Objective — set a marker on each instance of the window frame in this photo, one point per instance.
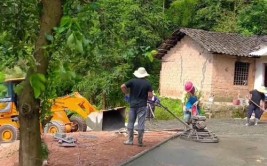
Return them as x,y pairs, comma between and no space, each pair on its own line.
241,73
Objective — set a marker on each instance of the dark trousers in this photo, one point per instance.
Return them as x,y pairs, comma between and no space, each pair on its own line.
253,108
141,114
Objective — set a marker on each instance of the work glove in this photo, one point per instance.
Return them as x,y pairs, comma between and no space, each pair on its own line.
127,98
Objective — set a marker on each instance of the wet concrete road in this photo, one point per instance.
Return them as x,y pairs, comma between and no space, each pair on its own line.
238,146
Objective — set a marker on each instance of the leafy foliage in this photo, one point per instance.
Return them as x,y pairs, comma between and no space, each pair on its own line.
38,83
252,18
100,43
246,17
173,105
114,45
44,151
181,12
18,28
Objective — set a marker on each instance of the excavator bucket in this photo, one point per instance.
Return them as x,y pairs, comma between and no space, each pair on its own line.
107,120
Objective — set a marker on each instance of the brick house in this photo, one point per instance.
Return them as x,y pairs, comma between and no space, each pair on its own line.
219,64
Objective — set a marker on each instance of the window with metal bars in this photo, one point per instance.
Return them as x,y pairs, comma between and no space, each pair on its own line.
241,73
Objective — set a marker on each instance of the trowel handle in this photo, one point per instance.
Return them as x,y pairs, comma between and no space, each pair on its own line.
185,124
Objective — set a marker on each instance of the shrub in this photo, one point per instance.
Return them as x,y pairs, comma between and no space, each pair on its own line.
173,105
44,151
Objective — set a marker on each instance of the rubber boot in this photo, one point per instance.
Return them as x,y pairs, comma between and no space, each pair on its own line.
140,138
256,121
130,138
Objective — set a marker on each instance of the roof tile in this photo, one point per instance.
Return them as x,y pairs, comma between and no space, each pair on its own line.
215,42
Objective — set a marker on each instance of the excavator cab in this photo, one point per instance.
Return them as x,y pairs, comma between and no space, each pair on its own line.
9,126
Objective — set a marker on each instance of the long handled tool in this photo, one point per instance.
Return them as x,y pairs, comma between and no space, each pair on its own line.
185,124
197,132
257,105
151,111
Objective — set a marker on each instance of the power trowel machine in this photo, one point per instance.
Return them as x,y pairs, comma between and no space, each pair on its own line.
195,129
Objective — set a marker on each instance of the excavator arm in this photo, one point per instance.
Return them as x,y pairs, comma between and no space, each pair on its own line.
94,119
75,103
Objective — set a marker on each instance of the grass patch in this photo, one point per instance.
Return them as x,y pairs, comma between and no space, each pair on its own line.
174,105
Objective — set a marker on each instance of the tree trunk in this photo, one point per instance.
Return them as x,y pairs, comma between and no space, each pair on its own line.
29,107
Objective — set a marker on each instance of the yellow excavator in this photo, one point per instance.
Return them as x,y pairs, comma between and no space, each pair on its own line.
69,113
73,112
9,125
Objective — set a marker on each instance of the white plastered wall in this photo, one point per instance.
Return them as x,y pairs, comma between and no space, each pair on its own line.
260,71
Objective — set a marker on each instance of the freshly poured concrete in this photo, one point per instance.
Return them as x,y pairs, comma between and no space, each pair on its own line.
239,146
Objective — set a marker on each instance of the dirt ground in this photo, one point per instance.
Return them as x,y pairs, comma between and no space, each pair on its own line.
9,153
106,147
93,148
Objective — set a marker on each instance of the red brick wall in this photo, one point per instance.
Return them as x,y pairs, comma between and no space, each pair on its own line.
187,61
211,73
223,86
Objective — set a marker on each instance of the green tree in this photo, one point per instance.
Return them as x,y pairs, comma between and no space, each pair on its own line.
229,16
121,36
17,37
98,45
252,18
29,103
182,12
217,15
